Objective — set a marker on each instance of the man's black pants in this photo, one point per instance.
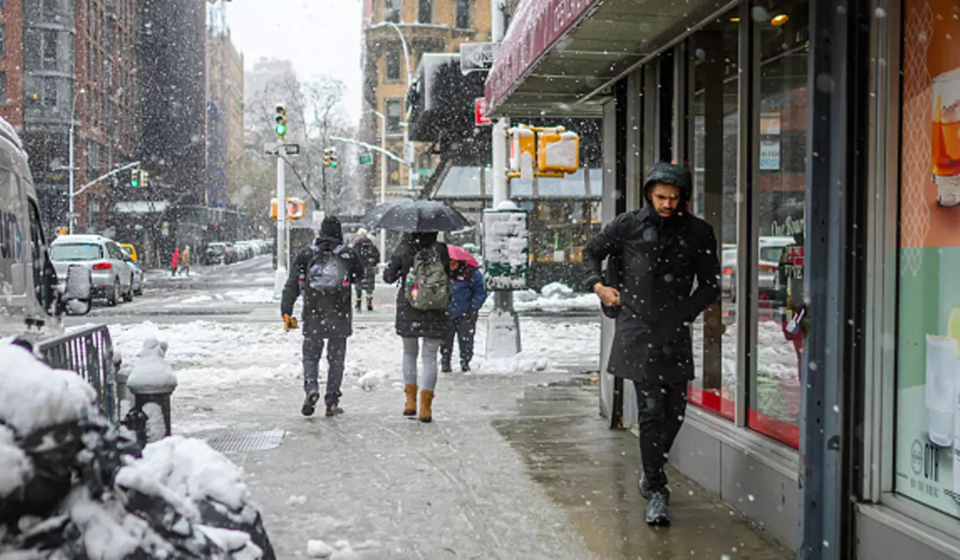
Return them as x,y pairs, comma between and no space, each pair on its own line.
463,328
660,410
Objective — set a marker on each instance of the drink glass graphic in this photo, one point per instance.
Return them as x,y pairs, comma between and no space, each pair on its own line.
945,137
943,368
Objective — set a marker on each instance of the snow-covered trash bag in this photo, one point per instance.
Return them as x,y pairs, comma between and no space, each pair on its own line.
184,485
60,496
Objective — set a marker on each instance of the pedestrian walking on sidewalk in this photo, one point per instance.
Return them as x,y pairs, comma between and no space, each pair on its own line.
663,250
367,250
328,270
422,267
467,297
175,261
184,262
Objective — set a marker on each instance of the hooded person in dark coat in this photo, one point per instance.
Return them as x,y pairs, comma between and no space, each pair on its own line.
327,314
414,324
664,251
367,250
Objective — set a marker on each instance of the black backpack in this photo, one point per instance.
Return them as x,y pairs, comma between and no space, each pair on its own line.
327,273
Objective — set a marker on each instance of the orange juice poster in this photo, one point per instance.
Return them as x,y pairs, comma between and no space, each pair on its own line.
930,181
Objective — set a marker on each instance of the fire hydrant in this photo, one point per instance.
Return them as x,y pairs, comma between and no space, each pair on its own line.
152,382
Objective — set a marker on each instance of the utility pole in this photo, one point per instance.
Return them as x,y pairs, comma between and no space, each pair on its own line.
281,277
503,324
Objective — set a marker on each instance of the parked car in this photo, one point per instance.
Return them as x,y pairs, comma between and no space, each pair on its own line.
112,277
216,253
233,255
31,307
138,277
768,262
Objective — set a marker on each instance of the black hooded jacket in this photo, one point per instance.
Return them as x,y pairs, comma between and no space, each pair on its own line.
411,322
661,261
323,316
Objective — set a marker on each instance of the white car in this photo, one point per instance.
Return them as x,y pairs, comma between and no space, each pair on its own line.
112,278
769,261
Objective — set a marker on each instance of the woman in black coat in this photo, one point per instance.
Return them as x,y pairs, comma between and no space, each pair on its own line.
415,324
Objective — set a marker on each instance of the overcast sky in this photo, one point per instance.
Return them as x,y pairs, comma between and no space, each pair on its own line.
318,36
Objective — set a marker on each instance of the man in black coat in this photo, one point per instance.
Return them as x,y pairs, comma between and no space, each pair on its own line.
663,250
327,314
369,254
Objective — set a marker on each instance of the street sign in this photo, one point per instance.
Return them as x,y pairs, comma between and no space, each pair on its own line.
271,148
477,56
366,159
423,172
480,112
291,149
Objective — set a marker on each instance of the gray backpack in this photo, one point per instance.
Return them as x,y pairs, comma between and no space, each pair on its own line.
428,286
327,273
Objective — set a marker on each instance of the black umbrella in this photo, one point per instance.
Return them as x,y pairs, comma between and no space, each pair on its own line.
417,215
372,219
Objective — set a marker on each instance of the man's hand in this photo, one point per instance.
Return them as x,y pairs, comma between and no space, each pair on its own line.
289,323
609,296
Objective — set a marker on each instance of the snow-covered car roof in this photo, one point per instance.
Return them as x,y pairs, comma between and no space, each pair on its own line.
80,238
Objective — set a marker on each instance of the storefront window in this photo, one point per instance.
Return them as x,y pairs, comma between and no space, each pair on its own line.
713,52
927,459
780,192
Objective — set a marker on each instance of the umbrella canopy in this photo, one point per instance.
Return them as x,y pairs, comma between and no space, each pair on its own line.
416,215
372,218
461,254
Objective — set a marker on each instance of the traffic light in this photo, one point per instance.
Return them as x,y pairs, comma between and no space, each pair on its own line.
330,158
281,121
135,178
144,178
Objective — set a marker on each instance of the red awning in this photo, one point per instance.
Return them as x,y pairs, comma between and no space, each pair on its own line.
536,26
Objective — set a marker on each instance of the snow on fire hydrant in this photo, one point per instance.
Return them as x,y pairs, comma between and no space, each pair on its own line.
152,382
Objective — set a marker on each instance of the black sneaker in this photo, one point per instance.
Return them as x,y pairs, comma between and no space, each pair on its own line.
658,511
445,366
464,366
333,410
310,403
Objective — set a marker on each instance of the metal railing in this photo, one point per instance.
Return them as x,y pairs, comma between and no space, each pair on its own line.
89,353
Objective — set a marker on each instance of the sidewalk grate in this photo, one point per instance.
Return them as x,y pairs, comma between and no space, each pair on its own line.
238,441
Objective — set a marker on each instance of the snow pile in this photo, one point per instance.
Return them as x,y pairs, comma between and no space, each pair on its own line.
15,467
516,365
187,473
34,396
341,550
151,374
196,299
557,297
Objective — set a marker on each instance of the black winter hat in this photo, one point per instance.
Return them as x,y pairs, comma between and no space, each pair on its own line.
330,227
669,174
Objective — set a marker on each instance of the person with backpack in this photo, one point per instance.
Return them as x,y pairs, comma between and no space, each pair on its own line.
370,255
422,267
328,270
467,297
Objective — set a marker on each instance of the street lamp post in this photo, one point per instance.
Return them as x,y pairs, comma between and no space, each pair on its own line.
383,178
73,112
407,147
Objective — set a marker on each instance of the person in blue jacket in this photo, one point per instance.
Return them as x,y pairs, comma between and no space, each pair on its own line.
466,298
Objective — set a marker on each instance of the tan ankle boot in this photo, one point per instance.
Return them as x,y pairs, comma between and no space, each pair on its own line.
426,401
410,409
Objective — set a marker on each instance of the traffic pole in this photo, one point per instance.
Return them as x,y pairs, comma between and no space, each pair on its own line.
503,324
281,277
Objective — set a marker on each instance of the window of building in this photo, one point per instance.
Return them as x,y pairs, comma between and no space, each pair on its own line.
777,272
48,51
393,65
3,89
927,389
463,14
393,115
425,13
3,40
391,10
50,91
714,162
93,213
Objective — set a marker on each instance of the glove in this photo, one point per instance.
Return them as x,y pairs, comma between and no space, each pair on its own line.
289,323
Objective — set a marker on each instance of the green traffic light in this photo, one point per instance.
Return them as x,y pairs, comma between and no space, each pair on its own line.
280,129
135,183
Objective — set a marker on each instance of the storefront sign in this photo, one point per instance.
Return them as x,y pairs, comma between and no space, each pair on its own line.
480,112
506,249
477,56
927,459
536,28
769,155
